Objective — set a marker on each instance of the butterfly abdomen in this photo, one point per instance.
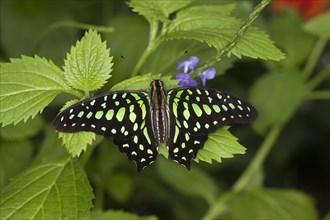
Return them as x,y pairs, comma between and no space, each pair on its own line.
160,115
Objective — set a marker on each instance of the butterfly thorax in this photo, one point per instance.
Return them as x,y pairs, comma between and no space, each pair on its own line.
159,113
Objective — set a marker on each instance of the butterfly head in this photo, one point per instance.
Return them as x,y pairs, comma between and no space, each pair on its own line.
157,84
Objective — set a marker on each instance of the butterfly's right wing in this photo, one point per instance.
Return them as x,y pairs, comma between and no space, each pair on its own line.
198,112
120,115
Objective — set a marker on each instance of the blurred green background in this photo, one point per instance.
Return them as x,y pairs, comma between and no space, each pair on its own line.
299,158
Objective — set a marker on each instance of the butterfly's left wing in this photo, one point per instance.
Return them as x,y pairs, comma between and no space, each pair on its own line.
121,115
198,112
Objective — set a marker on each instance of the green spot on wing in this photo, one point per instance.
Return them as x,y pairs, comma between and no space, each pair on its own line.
207,109
178,95
186,114
89,115
132,117
216,108
197,110
99,114
175,110
143,108
145,132
136,96
176,134
81,114
109,114
120,114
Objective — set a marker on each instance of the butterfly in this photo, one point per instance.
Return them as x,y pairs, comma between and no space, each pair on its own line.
139,121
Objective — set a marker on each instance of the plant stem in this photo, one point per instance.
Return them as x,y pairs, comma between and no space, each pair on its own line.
220,204
318,78
152,45
224,51
145,55
258,160
313,57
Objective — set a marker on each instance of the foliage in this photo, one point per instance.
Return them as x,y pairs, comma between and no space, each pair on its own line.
40,181
272,204
88,65
58,189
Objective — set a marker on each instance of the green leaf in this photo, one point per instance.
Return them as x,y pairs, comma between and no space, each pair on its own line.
211,16
14,157
56,190
136,83
118,215
276,97
214,26
158,9
204,24
27,86
257,44
319,26
88,66
169,83
220,144
254,43
272,204
192,183
23,129
143,82
75,143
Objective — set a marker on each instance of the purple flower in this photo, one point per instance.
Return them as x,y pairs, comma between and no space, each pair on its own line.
186,80
207,74
188,64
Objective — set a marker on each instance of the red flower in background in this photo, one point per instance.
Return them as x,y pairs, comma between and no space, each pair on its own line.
307,8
